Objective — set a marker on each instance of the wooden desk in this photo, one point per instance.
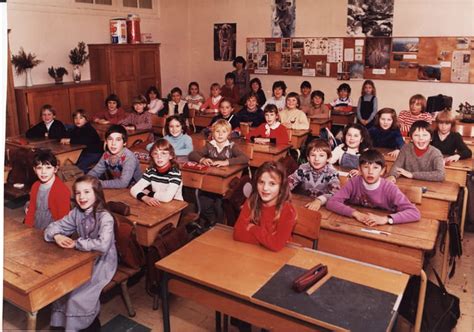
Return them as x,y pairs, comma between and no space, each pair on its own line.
37,273
203,119
63,152
402,250
133,135
316,124
298,137
265,152
466,129
221,279
342,118
214,179
148,219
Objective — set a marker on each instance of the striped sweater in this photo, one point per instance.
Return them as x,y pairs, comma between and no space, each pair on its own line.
406,119
165,186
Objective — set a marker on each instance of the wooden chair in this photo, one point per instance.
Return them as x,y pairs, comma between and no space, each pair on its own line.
247,149
158,124
122,275
192,115
307,228
413,193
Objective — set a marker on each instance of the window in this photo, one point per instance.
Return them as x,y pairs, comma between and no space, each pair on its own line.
97,2
146,4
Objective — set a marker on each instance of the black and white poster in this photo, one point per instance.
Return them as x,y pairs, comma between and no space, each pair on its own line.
283,18
370,18
224,41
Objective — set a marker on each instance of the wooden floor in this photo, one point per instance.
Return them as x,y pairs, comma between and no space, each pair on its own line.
189,316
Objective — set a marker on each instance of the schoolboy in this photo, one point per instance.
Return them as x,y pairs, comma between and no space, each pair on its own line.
117,162
370,190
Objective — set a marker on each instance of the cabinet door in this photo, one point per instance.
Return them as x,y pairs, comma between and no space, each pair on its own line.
58,99
90,98
148,70
124,78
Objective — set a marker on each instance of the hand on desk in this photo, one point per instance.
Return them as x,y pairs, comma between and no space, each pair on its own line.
206,161
101,121
392,179
151,201
451,159
64,241
404,172
394,153
314,205
353,172
261,140
65,141
370,219
220,163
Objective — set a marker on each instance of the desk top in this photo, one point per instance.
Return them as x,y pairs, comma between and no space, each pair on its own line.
299,132
222,259
445,191
145,215
265,148
222,172
46,144
317,120
30,142
418,235
206,114
25,271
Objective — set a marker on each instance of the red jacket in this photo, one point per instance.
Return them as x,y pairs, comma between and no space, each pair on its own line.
270,234
59,201
280,134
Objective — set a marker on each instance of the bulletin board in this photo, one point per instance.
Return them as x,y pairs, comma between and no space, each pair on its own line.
432,59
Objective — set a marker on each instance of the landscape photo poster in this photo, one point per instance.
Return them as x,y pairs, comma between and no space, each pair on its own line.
370,18
283,18
225,41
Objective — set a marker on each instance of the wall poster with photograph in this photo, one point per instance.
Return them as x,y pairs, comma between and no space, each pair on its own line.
225,41
283,18
377,54
371,18
429,73
405,44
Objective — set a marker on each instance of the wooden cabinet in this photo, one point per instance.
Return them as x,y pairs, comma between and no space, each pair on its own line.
65,99
128,69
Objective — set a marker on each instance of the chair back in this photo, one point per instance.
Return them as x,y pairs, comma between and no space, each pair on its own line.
307,227
413,193
158,123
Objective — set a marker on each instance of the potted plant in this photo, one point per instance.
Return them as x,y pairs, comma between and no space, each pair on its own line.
23,63
77,58
57,73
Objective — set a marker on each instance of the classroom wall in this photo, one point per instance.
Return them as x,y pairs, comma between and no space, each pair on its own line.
185,30
328,18
51,28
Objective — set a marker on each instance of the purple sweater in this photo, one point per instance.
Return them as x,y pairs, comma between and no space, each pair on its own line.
387,197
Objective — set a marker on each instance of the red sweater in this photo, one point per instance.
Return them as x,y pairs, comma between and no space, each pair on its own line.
266,233
280,134
59,201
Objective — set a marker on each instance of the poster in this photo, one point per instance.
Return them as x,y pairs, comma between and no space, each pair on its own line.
283,18
377,53
316,46
335,49
224,41
370,18
405,44
460,66
429,73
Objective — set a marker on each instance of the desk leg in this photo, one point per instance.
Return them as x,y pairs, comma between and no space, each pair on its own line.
218,322
165,302
198,204
421,300
444,269
31,320
464,210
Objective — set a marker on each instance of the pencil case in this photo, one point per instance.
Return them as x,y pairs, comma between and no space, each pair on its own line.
193,165
309,278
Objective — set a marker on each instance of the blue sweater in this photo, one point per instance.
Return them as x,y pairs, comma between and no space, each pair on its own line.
391,139
183,144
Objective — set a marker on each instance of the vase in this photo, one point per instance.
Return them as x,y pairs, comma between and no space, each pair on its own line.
58,80
76,73
28,77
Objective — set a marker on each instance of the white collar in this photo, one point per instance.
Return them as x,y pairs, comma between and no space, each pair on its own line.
372,186
214,144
